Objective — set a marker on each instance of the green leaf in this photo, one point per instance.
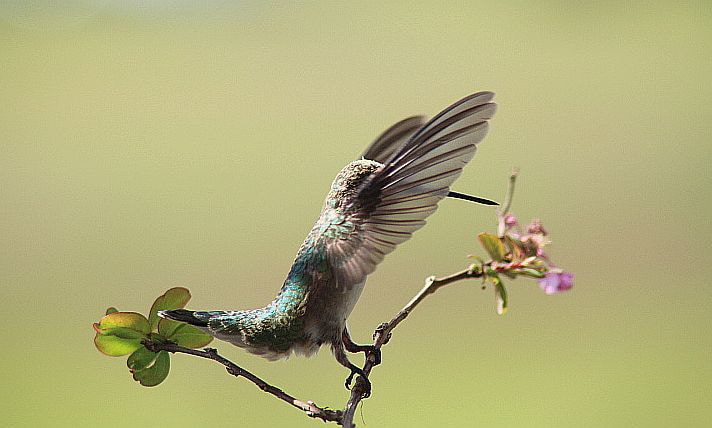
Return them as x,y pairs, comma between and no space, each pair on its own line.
114,346
493,245
156,373
500,295
111,310
167,327
129,320
140,359
175,298
190,337
123,333
533,273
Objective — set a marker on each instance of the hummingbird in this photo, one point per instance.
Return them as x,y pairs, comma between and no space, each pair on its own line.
374,204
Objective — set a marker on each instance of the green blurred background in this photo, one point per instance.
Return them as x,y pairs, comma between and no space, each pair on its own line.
145,146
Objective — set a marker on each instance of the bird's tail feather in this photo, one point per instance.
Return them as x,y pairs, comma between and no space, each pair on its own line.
183,315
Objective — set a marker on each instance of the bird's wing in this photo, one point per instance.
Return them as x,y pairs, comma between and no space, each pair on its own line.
392,139
395,199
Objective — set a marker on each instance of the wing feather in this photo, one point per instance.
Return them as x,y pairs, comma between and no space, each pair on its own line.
419,162
392,139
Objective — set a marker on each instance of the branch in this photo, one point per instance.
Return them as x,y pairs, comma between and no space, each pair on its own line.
383,333
308,407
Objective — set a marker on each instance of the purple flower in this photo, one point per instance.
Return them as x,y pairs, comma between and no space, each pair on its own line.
536,227
556,282
510,221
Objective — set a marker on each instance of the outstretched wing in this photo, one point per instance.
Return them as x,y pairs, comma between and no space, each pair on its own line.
395,199
392,139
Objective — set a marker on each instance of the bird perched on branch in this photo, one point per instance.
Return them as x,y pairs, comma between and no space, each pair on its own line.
374,204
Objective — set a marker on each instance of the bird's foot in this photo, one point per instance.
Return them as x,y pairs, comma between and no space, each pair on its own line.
367,383
370,351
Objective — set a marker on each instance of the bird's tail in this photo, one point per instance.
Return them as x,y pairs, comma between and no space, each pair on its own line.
184,315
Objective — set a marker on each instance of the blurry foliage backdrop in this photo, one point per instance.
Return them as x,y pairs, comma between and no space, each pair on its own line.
147,145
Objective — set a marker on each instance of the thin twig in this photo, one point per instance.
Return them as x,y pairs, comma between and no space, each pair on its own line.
383,334
308,407
502,212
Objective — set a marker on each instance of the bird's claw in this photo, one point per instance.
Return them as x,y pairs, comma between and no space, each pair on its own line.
349,380
364,378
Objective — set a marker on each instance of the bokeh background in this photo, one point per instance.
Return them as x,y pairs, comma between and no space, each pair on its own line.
146,145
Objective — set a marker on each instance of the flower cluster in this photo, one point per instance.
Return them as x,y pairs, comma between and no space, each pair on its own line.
531,243
519,251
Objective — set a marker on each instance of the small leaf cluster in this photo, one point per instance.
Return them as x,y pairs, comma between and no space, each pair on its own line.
511,258
125,333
